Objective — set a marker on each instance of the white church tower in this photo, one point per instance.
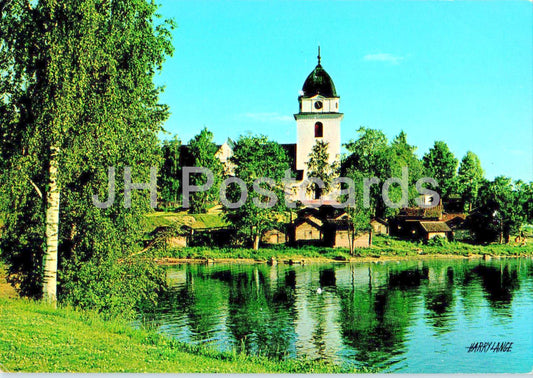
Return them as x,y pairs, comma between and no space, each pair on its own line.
319,117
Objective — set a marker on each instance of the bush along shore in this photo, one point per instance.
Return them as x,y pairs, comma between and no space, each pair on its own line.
386,248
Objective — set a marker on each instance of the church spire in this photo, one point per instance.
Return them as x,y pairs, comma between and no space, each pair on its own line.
318,55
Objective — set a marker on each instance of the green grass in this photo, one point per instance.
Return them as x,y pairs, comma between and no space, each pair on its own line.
35,337
280,253
163,219
394,246
382,246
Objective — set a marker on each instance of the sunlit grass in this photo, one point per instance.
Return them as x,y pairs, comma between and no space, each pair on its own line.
198,221
35,337
382,247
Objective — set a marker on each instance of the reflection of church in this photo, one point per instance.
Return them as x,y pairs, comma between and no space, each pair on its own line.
318,119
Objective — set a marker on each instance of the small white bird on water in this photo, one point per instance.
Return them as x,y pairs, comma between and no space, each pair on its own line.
319,290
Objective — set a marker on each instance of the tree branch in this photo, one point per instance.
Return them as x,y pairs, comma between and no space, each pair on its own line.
36,188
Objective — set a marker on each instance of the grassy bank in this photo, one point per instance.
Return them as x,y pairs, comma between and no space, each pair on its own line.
383,247
35,337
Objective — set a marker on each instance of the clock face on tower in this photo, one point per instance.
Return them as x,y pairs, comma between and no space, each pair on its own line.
318,105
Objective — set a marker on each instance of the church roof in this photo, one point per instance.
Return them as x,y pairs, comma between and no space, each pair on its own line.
319,82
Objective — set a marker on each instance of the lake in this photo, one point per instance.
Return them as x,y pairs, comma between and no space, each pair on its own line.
409,316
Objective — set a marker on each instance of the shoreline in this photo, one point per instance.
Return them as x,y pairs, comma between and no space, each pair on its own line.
301,260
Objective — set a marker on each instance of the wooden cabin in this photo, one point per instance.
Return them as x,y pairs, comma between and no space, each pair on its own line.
275,236
337,234
429,230
307,229
379,226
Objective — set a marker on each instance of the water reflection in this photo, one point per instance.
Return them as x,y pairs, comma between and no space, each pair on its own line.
376,315
499,282
439,298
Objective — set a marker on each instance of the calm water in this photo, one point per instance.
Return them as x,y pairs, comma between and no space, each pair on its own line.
410,317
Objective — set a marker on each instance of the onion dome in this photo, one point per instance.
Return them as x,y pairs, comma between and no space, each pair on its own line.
319,82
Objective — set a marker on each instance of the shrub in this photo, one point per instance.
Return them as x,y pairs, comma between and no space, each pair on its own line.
437,241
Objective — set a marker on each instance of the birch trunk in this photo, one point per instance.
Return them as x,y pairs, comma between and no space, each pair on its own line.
52,230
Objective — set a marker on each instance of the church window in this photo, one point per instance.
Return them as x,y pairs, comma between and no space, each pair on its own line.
319,130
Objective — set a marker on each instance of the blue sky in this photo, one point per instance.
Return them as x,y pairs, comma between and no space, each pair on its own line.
456,71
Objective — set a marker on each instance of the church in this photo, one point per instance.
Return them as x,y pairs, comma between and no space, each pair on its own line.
318,119
319,221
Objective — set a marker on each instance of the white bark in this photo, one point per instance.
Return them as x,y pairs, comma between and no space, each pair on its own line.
52,231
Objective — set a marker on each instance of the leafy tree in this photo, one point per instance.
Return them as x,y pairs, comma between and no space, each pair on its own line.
441,165
256,157
526,199
403,155
202,152
78,77
500,213
359,216
171,170
469,178
319,167
370,156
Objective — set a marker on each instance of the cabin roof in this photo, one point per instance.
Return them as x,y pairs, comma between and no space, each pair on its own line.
309,220
379,220
435,227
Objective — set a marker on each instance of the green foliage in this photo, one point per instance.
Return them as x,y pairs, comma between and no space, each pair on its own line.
438,241
202,152
318,167
79,77
469,179
170,171
441,165
114,288
525,199
263,254
403,155
371,155
501,211
391,246
256,157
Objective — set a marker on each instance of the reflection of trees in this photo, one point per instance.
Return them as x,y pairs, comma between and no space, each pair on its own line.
261,318
439,299
499,283
170,301
203,311
327,277
375,311
374,321
408,278
199,298
468,285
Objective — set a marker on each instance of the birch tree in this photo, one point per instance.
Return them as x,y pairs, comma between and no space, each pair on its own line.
78,97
